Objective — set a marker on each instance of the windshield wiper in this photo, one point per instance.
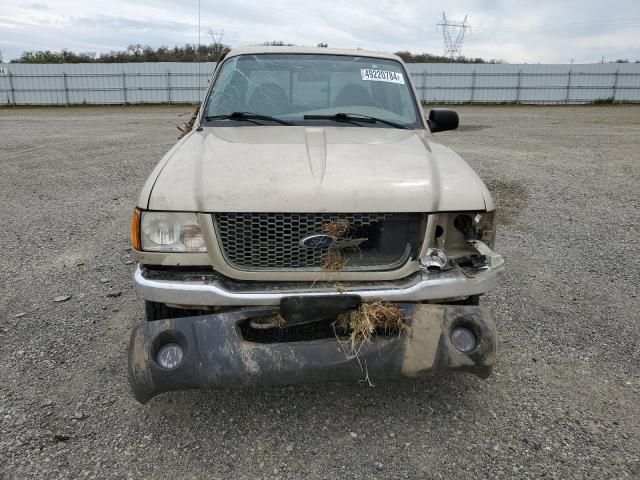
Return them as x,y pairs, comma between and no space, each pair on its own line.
246,116
355,117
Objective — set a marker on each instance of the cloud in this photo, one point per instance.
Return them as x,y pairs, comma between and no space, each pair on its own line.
516,31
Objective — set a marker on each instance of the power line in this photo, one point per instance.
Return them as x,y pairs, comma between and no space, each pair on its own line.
601,24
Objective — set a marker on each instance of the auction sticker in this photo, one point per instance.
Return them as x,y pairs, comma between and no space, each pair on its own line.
381,75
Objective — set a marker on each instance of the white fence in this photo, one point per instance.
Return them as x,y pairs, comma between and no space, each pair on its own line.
103,83
172,82
486,83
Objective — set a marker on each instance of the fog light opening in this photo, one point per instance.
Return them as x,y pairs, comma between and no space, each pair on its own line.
463,339
170,356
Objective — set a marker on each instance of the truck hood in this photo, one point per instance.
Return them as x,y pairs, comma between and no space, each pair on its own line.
312,169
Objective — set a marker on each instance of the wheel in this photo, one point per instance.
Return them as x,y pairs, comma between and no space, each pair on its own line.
160,311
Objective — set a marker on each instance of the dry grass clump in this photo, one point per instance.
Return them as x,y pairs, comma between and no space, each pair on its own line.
186,127
333,261
337,228
278,320
271,321
363,323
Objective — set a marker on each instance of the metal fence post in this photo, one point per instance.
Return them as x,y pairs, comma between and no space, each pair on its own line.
566,99
518,87
473,86
11,90
124,87
615,85
424,86
169,87
66,89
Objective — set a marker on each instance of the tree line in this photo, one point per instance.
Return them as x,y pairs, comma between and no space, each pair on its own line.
409,57
133,53
208,53
193,53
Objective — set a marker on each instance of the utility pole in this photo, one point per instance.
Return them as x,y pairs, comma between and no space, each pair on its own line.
453,35
198,56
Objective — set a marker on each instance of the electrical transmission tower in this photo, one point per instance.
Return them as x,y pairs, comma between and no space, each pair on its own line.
453,34
216,36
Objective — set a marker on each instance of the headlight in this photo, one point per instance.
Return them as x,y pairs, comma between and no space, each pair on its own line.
171,232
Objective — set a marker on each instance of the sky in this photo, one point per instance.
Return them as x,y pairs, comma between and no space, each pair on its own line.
517,31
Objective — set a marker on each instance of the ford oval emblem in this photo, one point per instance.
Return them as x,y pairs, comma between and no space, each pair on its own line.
318,241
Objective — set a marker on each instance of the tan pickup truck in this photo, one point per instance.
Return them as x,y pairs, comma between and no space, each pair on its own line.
310,189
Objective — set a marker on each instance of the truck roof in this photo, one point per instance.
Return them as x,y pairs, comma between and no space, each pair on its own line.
254,50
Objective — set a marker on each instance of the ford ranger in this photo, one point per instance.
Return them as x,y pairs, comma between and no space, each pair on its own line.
310,185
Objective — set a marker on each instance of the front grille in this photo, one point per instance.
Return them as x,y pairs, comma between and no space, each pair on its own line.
271,241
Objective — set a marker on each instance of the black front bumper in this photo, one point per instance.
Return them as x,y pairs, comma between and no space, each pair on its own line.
216,354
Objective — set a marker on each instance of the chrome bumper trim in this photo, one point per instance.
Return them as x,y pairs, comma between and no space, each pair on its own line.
424,285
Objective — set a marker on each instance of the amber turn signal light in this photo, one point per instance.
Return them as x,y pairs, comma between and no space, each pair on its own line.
135,230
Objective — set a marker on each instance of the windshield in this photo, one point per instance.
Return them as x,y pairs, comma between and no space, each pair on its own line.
288,87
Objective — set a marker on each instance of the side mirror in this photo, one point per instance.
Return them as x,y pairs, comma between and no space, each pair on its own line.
441,119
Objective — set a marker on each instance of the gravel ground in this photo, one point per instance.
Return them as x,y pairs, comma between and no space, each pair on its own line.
563,401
